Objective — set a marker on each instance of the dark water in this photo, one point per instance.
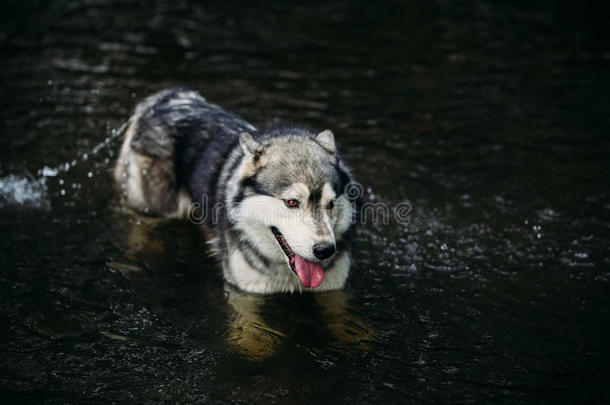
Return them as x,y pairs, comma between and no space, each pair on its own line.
490,118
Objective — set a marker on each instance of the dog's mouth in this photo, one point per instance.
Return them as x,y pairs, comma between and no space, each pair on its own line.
310,273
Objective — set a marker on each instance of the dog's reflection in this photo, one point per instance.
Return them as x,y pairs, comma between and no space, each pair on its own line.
251,336
250,333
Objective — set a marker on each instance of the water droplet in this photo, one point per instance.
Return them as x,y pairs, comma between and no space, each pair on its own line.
90,174
62,192
444,247
48,172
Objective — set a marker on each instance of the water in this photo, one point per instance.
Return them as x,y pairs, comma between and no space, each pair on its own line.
488,121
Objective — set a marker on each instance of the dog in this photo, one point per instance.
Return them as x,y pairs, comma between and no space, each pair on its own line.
274,200
275,203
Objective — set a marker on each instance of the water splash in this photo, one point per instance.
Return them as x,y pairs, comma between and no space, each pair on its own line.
66,166
23,191
30,191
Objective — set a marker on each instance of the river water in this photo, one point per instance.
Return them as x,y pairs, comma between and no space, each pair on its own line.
485,122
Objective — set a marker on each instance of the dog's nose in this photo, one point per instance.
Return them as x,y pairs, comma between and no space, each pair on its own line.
323,250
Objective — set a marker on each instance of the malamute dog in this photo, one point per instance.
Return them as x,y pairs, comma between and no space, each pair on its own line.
273,200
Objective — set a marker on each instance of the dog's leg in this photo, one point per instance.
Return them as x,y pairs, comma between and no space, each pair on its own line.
341,322
248,334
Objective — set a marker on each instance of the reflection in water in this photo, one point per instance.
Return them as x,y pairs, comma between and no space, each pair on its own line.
251,336
248,316
490,119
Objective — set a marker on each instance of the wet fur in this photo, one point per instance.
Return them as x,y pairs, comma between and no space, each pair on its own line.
180,149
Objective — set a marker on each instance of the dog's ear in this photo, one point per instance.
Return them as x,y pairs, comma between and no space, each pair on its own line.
249,145
327,140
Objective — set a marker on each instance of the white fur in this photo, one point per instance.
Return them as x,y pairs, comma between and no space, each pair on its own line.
128,174
254,217
240,274
343,213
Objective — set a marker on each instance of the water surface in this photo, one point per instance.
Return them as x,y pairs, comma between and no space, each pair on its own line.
489,118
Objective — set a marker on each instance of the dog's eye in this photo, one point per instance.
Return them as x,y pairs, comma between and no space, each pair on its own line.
291,203
330,205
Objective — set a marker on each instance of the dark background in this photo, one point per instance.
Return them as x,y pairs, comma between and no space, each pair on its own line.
490,117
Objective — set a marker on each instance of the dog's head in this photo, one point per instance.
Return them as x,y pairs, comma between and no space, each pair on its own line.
293,204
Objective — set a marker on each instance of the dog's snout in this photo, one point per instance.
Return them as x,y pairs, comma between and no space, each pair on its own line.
323,250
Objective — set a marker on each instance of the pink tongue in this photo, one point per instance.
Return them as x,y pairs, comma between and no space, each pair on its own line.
310,273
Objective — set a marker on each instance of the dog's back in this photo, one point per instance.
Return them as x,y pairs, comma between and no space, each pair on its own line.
168,132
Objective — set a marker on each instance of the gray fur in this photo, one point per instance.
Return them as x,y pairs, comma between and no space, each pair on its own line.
180,149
